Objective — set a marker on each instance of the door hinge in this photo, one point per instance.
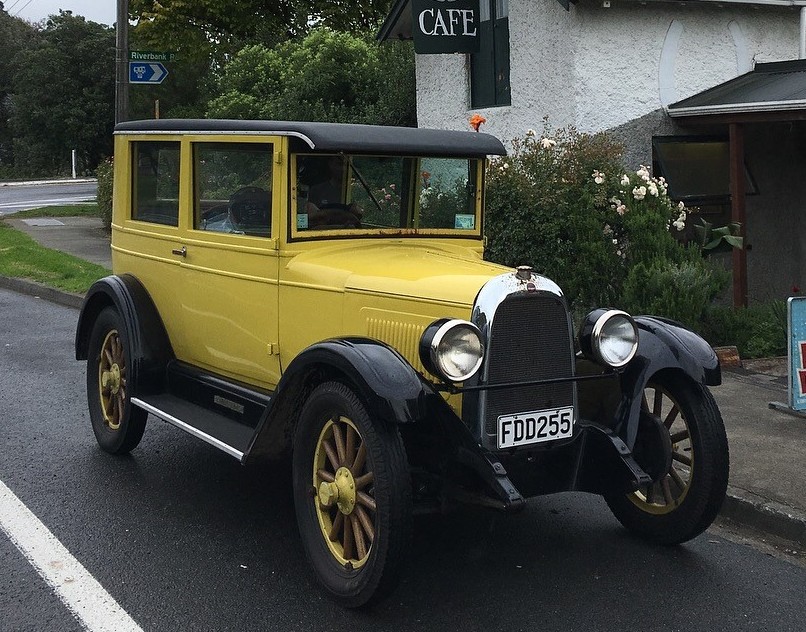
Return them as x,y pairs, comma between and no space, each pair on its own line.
273,348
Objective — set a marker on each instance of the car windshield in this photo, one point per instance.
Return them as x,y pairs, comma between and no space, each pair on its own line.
400,194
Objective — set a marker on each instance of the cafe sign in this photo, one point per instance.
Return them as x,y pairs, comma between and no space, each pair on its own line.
445,26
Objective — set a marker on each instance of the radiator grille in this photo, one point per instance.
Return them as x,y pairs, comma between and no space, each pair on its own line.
530,340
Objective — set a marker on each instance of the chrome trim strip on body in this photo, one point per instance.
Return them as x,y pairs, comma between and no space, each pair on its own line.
188,428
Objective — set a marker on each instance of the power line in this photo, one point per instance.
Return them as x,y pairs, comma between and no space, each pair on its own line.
17,14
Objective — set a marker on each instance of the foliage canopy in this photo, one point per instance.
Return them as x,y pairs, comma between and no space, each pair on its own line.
326,76
64,96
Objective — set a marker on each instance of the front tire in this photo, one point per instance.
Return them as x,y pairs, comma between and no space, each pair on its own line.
683,501
117,424
352,494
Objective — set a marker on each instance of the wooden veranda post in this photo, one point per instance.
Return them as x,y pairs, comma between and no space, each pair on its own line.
737,211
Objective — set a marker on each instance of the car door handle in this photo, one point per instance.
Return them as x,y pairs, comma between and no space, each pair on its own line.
182,252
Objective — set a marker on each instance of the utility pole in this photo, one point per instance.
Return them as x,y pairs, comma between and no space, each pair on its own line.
122,63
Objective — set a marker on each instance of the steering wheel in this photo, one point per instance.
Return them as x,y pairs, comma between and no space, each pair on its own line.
250,207
339,216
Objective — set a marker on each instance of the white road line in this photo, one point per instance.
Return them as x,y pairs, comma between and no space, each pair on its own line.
95,608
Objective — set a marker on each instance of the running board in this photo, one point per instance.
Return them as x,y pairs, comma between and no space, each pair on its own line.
219,431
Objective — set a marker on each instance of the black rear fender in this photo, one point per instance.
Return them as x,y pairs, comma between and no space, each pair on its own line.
150,348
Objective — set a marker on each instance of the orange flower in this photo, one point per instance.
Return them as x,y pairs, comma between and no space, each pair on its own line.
476,120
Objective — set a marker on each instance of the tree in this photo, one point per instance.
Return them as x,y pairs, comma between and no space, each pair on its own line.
230,24
327,76
64,95
16,37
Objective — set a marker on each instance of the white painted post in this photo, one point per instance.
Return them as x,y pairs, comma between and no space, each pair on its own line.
74,163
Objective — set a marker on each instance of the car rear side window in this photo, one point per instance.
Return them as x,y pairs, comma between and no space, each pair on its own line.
232,184
155,186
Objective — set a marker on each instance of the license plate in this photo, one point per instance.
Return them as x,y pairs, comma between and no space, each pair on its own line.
535,427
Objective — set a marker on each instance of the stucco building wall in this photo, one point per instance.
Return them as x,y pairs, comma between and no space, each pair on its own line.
615,69
600,68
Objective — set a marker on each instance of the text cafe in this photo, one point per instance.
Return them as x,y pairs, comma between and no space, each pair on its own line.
445,26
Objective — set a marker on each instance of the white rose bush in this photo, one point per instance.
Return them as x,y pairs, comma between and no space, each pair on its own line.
563,202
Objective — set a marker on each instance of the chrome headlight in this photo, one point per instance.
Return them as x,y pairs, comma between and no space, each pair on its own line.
451,349
609,337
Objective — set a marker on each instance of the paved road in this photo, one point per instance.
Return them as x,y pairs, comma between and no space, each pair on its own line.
184,538
18,197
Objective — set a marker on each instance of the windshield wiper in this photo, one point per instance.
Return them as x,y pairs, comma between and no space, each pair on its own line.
362,181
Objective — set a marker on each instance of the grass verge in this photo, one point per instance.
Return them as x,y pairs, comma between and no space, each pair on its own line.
68,210
21,257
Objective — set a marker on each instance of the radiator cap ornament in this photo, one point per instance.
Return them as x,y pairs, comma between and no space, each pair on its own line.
524,273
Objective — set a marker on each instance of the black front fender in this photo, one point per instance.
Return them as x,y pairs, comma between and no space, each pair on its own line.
662,345
387,384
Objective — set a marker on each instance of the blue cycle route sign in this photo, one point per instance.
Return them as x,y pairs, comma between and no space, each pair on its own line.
147,72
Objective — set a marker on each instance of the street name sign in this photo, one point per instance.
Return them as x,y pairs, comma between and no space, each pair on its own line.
150,55
142,72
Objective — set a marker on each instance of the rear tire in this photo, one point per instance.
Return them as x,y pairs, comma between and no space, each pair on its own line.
117,424
686,499
352,494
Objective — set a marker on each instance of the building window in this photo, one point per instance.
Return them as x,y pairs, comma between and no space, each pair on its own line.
489,68
697,168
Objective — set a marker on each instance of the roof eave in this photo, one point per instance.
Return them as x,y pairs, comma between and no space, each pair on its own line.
737,108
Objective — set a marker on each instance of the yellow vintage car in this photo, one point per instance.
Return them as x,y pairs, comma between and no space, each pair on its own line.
318,292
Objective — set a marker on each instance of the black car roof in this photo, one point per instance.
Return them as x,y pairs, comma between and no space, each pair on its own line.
330,137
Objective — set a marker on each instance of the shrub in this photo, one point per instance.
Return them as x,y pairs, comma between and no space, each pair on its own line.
680,291
542,211
564,204
105,175
757,331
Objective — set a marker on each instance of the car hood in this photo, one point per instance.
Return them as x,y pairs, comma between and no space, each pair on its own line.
440,272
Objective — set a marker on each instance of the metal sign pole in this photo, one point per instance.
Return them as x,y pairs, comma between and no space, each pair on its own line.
122,62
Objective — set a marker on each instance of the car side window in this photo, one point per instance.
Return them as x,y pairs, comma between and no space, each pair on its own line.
232,188
155,190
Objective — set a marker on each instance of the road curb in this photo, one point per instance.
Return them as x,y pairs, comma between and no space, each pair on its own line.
758,513
28,183
32,288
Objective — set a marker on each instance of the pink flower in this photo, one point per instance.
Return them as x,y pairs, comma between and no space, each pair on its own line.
387,197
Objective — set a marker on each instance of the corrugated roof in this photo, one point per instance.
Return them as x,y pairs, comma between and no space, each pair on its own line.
772,87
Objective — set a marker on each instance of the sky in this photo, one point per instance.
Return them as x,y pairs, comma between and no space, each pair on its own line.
102,11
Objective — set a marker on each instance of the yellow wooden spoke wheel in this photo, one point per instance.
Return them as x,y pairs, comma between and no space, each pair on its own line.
352,493
118,426
687,492
344,502
112,379
666,494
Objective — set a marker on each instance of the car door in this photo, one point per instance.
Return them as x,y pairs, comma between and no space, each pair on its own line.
146,228
230,258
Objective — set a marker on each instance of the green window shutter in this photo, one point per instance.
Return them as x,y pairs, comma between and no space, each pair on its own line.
489,68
